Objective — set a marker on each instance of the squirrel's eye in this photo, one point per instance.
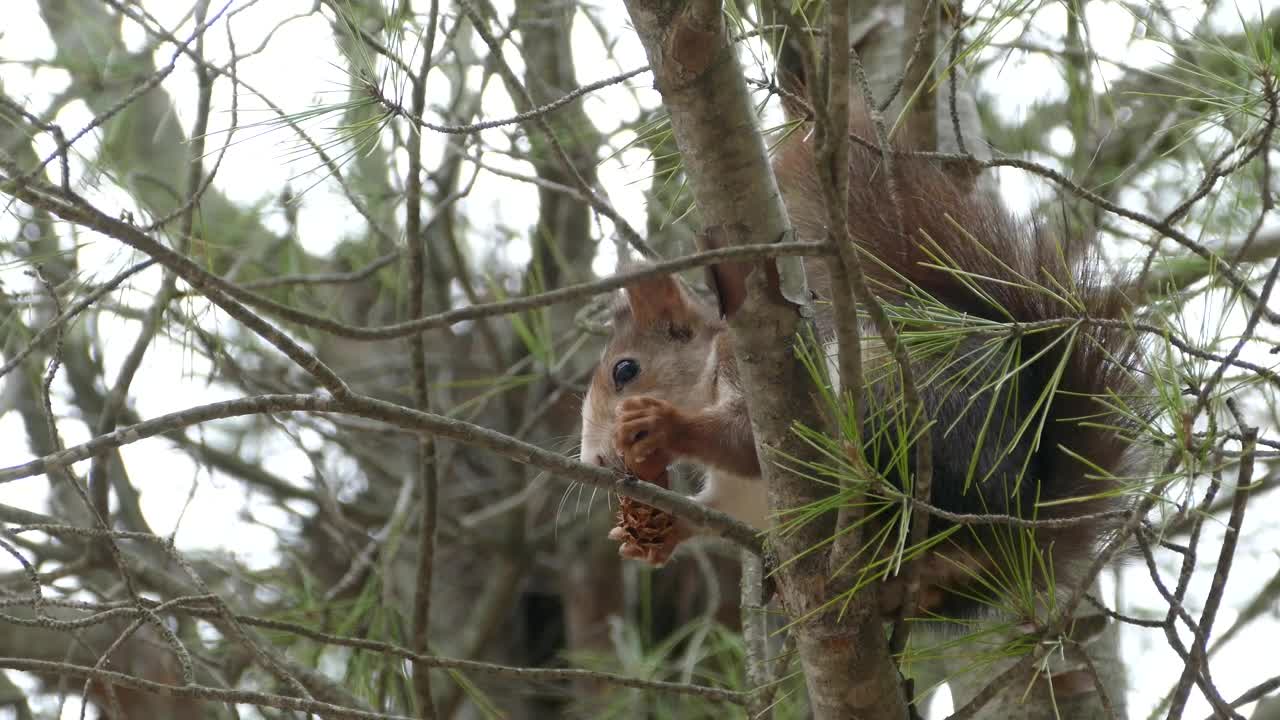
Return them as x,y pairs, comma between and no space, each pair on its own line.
624,371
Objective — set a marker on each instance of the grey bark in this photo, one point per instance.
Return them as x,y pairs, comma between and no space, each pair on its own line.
844,655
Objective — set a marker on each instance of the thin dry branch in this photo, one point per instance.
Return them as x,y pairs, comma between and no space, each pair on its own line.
428,480
194,690
197,606
228,295
524,102
73,209
409,419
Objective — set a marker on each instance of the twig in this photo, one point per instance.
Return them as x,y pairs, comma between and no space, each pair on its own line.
1226,555
141,89
99,483
193,690
73,209
504,307
1257,692
72,311
428,483
409,419
525,103
99,517
229,72
492,669
917,413
517,119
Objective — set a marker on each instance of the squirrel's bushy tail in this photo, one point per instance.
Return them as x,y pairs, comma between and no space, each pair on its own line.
1024,414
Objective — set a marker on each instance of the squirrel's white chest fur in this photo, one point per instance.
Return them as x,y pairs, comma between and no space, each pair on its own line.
745,498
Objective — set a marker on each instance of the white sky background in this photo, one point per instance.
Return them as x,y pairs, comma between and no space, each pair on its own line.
298,69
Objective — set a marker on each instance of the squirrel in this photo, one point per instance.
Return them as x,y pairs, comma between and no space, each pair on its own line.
1031,430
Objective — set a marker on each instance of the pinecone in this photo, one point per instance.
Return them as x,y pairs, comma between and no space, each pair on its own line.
645,532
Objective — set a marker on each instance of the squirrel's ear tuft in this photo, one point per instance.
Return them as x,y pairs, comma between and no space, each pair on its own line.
656,300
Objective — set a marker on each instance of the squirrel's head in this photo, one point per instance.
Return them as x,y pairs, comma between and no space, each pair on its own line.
662,346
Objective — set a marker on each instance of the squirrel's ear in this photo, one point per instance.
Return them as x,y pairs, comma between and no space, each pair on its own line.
657,299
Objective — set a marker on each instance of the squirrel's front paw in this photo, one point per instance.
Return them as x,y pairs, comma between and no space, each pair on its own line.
645,434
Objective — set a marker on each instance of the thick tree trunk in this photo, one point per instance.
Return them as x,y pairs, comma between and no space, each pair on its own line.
844,654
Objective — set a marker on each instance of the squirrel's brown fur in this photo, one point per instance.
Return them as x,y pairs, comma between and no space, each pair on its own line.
989,420
1006,270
